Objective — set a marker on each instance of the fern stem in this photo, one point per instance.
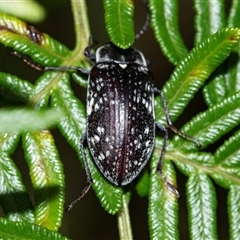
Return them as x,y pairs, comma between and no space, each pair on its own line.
124,223
81,25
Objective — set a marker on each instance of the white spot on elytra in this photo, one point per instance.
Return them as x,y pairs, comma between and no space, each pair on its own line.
146,131
100,130
146,105
90,105
102,155
150,108
132,131
98,87
107,153
147,143
138,97
96,107
97,138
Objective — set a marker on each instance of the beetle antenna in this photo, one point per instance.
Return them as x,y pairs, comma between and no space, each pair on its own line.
28,61
39,67
147,22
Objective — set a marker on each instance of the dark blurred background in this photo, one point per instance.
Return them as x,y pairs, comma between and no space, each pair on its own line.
88,220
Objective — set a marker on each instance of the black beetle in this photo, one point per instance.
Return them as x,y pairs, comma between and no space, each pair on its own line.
120,116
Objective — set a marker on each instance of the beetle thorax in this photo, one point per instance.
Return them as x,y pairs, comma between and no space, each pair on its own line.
111,53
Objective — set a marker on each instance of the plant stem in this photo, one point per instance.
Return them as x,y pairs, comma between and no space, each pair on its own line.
124,223
81,25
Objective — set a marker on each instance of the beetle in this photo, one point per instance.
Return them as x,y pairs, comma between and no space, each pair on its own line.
121,127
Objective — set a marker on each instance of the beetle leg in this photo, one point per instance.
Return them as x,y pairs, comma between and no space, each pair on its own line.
169,122
88,173
172,188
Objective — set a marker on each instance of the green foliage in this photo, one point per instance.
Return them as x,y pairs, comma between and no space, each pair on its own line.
30,10
119,22
210,17
201,206
47,177
20,120
24,230
207,67
163,205
164,21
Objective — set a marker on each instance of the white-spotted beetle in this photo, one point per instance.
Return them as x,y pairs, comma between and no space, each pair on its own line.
121,124
120,116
